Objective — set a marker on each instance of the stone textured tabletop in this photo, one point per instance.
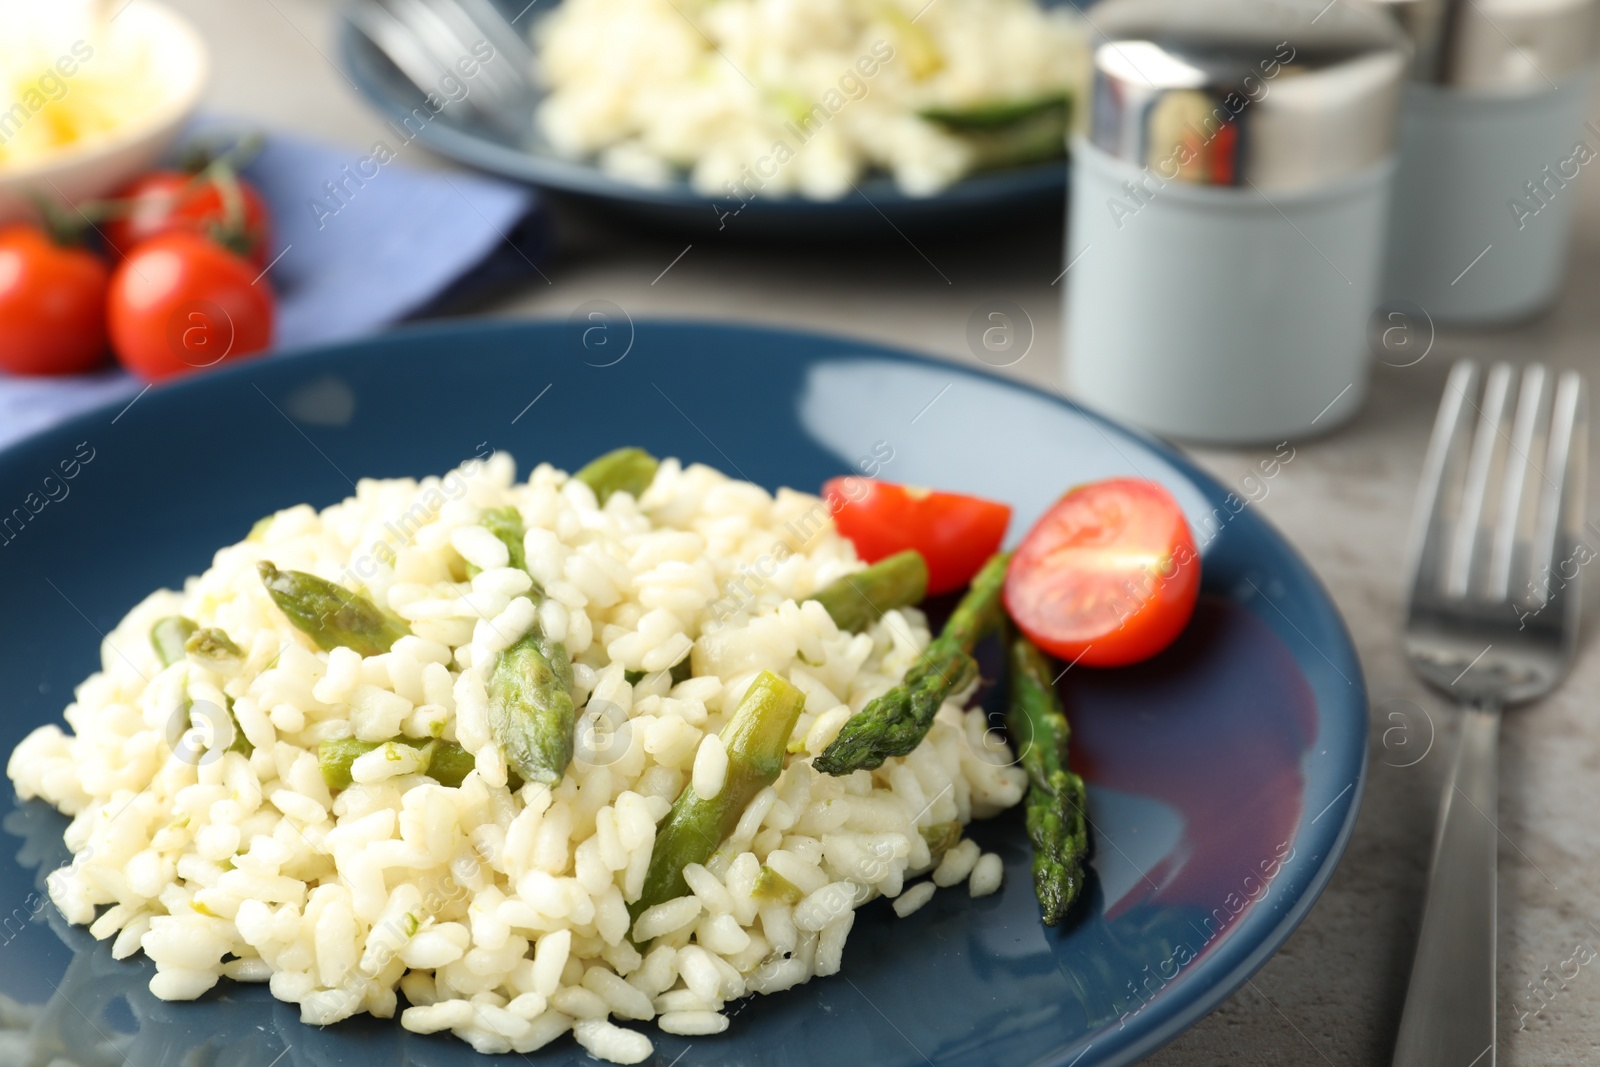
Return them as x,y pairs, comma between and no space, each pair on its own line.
1333,993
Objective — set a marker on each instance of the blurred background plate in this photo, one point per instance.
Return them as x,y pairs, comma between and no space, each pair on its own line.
1224,776
984,200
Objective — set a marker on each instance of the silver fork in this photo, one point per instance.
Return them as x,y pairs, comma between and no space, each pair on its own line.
1492,621
426,40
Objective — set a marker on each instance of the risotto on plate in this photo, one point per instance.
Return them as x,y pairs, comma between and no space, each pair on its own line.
510,759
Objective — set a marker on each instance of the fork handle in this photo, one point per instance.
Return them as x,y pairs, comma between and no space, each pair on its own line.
1449,1016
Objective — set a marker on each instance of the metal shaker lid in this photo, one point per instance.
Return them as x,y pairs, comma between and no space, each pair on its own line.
1273,94
1498,46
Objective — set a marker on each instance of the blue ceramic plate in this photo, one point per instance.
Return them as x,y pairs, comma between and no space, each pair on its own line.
1223,777
527,157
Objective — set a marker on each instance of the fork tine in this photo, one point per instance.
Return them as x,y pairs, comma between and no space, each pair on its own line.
1446,451
1559,526
1487,448
1517,519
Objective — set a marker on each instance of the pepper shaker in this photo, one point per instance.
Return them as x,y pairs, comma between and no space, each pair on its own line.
1227,213
1492,138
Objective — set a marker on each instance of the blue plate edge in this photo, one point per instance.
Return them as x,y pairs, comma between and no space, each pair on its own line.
1171,1016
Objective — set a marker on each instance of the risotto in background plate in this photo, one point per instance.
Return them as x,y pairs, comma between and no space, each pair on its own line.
778,98
204,820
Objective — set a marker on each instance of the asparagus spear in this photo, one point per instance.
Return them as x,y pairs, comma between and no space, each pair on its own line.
531,714
624,470
448,763
896,722
506,524
681,672
168,637
996,114
1004,133
240,744
212,646
770,885
941,838
756,736
1055,814
980,610
858,600
330,614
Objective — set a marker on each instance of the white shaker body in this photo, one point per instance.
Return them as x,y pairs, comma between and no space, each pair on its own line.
1221,314
1474,242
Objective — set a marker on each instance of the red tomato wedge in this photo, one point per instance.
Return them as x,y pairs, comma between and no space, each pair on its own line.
955,533
1106,577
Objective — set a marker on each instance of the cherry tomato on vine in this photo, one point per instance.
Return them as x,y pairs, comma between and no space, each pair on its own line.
180,303
170,201
955,533
1108,576
52,304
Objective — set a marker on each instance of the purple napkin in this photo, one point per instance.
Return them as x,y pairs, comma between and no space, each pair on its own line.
360,244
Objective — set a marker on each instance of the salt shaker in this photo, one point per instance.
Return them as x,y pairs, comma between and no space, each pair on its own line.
1492,138
1227,213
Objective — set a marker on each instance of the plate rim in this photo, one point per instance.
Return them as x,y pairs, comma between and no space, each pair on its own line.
1233,965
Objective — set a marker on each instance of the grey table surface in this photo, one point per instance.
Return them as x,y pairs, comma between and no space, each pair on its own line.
1333,994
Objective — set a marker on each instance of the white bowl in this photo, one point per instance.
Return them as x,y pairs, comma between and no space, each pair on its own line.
101,164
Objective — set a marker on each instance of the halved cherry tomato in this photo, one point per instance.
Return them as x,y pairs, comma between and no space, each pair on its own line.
52,304
165,201
180,303
1106,577
955,533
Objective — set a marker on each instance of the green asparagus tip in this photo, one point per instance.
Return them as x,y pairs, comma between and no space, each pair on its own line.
1056,818
624,470
169,635
531,713
213,645
896,722
506,525
331,615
